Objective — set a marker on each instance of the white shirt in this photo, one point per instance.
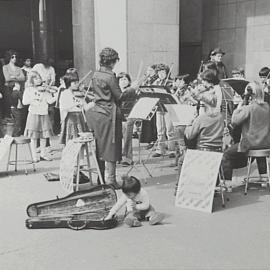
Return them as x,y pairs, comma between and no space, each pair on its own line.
69,103
141,200
38,101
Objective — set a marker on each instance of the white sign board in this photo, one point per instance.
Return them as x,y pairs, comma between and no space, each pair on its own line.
68,164
181,114
196,186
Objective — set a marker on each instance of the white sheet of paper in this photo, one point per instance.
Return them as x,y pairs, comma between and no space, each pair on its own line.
181,114
198,179
143,108
68,163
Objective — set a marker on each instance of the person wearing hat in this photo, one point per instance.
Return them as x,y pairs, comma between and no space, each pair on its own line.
70,105
216,56
105,118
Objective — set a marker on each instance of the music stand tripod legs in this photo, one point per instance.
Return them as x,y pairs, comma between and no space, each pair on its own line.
139,162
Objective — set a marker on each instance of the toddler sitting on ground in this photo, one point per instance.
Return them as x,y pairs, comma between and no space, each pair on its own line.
137,202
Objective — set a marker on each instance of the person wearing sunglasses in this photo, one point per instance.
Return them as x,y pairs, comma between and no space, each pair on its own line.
13,90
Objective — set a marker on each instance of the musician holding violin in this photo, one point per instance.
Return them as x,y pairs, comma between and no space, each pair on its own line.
71,103
208,91
163,121
205,133
38,125
150,76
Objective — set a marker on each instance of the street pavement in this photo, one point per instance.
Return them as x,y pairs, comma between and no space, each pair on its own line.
235,237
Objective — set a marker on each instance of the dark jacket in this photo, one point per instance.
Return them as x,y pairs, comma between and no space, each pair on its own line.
105,117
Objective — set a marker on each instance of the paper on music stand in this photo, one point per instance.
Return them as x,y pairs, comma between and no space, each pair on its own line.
181,114
143,108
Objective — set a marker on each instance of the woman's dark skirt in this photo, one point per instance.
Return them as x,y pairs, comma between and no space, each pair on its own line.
72,126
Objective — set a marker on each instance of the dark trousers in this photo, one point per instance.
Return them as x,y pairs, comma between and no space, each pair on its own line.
7,101
48,142
19,120
235,160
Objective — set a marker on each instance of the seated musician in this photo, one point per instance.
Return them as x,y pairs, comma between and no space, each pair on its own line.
206,131
254,119
163,121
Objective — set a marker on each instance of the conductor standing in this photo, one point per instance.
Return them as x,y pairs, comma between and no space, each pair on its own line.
105,117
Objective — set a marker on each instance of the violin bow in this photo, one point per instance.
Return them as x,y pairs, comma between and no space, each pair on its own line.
169,74
88,88
85,76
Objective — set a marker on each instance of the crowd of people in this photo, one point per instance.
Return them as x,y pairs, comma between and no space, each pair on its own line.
30,98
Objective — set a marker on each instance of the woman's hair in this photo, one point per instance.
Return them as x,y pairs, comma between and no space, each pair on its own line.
8,55
264,72
130,184
210,54
210,76
33,74
70,76
108,56
124,75
209,65
256,90
161,66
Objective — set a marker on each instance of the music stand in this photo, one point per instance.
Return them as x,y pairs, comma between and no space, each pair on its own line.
144,109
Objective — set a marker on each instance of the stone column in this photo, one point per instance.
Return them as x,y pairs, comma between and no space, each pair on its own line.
41,24
83,22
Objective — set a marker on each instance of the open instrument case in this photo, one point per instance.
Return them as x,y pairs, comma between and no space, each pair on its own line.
79,210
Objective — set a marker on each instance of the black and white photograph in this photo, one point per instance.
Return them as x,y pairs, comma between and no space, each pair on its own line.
134,134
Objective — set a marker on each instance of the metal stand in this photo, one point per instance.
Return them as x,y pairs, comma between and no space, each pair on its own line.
138,124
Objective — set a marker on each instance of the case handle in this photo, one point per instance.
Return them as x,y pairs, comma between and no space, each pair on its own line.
76,224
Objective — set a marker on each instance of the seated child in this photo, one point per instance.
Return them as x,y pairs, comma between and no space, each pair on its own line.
137,203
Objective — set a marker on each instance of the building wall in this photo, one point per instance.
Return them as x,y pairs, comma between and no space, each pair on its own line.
241,28
190,36
111,30
15,27
152,33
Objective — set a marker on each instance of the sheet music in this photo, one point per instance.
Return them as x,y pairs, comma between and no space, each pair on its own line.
181,114
143,108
